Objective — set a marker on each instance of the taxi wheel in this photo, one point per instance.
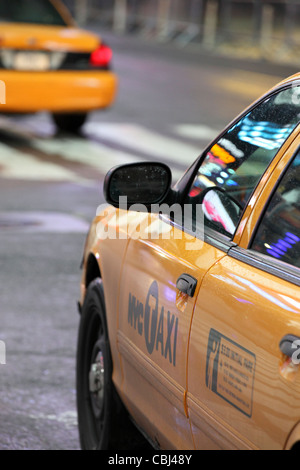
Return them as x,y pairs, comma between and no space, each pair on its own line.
69,122
102,420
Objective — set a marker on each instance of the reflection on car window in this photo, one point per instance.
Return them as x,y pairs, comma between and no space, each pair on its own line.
30,11
279,233
239,159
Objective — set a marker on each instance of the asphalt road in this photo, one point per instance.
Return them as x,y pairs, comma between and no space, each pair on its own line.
171,103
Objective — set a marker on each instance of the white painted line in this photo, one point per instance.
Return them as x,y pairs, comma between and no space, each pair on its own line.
15,164
32,126
94,154
83,151
194,131
143,140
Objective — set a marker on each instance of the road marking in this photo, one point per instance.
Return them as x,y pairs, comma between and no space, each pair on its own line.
15,164
96,155
196,131
141,139
92,151
83,151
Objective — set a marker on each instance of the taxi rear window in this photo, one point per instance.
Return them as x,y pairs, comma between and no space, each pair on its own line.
30,11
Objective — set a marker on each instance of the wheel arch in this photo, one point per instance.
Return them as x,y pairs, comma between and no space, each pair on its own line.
92,270
293,441
104,262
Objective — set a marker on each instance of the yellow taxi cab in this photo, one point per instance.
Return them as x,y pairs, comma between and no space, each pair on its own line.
49,64
190,300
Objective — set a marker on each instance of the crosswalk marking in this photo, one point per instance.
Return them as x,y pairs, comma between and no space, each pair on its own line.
81,151
105,145
196,131
15,164
98,156
140,139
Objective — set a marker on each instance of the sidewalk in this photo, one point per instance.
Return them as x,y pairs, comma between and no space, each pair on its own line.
228,32
246,58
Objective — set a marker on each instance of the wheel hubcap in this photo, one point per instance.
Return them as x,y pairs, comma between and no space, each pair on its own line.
96,379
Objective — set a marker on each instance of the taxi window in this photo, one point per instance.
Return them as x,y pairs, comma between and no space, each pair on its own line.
30,11
235,163
278,235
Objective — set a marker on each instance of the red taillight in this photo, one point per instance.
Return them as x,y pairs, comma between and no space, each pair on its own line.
101,56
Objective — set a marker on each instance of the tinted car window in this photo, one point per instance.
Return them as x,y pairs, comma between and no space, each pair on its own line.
278,235
30,11
237,161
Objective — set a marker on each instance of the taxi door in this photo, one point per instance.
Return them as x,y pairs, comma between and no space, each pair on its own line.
243,371
159,284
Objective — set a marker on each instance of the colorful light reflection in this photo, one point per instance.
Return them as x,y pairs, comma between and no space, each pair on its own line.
281,247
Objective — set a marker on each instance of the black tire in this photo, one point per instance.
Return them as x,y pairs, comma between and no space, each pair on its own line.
103,421
69,122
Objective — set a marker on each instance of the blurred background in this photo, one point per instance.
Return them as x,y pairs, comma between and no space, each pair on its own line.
260,29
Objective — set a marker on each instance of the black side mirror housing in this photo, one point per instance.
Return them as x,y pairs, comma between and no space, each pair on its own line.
144,184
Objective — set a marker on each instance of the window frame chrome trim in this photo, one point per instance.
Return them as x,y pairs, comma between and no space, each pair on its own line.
277,268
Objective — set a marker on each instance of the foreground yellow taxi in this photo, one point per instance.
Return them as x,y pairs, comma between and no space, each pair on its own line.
49,64
190,304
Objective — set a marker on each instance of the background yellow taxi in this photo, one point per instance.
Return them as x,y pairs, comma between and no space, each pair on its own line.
190,294
49,64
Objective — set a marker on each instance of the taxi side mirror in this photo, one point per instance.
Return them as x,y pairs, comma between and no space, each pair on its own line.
143,184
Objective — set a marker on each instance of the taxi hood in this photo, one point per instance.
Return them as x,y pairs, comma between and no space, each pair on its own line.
51,38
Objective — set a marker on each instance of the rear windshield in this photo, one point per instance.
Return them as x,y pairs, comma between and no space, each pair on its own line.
30,11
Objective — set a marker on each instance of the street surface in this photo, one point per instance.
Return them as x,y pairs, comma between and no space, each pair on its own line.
171,103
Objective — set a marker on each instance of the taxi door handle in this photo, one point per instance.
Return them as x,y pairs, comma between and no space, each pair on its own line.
186,284
289,344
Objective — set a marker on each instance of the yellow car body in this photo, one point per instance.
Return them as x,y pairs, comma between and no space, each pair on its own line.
218,369
48,67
